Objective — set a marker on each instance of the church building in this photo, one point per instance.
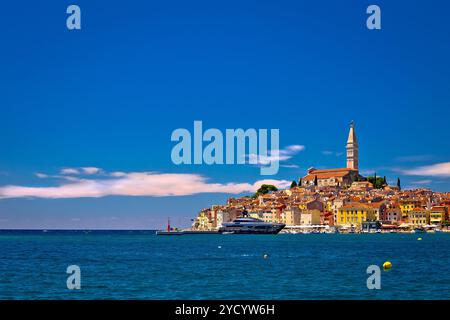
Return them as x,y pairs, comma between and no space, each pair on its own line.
341,176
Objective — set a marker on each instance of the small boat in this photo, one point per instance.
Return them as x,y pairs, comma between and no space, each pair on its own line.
228,232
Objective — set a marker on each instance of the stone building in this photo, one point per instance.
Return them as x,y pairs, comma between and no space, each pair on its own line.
343,177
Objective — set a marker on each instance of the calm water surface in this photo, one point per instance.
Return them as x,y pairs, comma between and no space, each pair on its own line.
141,265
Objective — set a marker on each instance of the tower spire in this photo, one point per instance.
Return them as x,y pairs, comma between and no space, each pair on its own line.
352,148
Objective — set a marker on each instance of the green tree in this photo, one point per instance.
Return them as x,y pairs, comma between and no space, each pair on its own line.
377,182
264,189
385,181
300,182
293,184
315,181
399,184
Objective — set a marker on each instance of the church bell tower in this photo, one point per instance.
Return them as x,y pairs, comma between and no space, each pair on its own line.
352,149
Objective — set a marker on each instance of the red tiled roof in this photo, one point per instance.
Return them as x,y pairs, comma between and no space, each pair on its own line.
331,170
376,204
313,175
357,205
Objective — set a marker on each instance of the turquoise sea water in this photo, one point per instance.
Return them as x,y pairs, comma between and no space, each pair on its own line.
141,265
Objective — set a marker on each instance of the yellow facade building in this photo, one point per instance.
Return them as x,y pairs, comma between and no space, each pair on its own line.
418,217
408,206
203,222
437,215
355,214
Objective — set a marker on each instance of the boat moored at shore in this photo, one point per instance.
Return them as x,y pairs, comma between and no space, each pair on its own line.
247,225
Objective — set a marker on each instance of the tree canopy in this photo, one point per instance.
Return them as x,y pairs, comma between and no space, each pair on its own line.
378,182
264,189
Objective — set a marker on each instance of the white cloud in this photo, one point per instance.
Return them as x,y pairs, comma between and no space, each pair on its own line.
82,170
276,155
427,181
367,172
136,184
118,174
91,170
69,171
293,166
293,148
434,170
41,175
64,177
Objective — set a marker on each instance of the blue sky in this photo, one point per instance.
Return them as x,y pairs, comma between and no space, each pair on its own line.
110,95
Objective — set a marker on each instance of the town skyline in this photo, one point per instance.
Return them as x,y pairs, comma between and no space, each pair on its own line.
336,200
86,119
82,182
